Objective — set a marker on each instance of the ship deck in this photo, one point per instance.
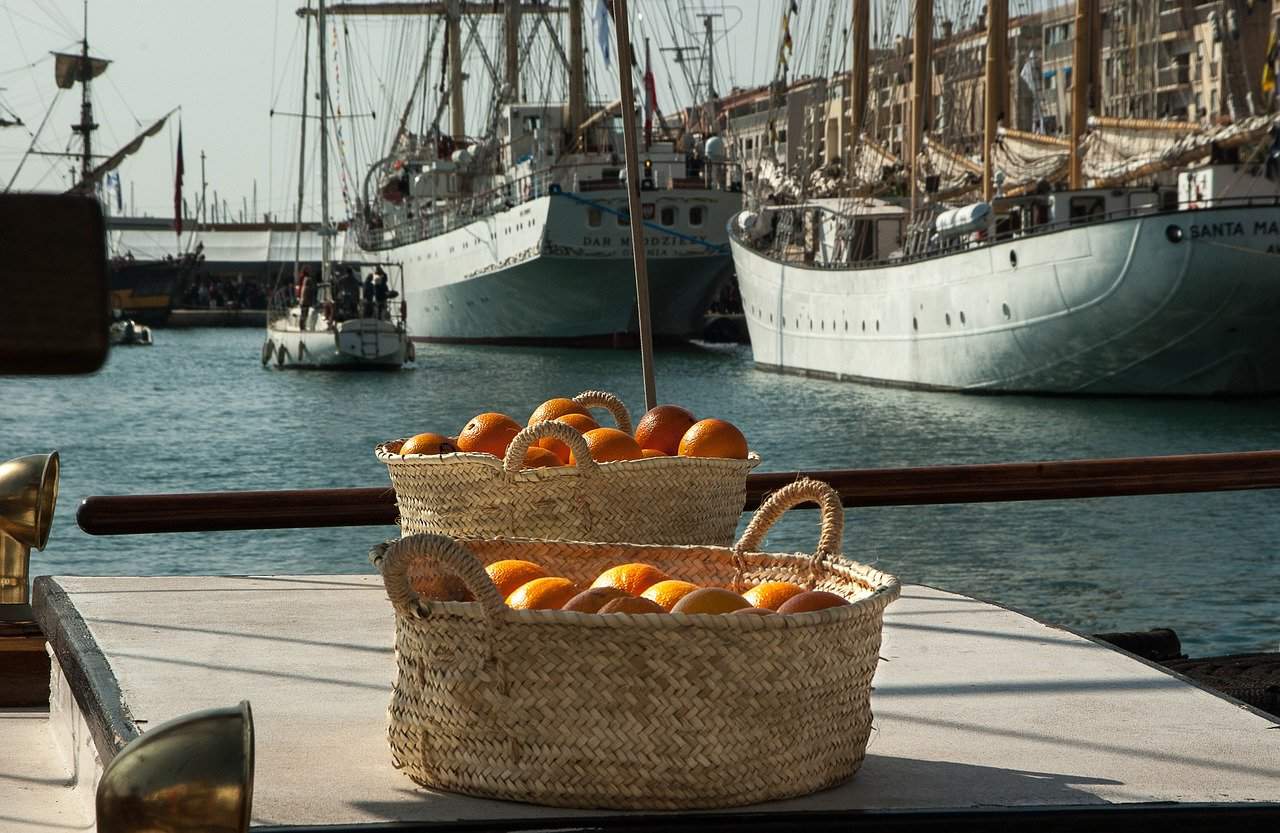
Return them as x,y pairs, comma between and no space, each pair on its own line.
978,709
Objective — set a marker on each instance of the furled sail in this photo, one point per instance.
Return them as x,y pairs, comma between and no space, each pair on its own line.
96,175
1117,151
1028,158
68,69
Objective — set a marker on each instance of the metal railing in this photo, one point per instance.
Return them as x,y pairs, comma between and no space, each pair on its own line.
461,212
963,243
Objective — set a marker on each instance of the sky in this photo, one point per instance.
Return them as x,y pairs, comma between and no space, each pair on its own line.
228,64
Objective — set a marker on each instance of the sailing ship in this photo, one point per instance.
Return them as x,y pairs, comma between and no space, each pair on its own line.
141,288
521,235
330,322
1132,257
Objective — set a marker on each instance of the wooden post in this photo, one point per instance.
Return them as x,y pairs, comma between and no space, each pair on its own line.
633,202
577,77
858,74
922,44
457,113
996,81
511,36
1080,64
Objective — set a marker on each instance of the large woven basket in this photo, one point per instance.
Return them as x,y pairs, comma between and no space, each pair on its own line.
624,711
659,500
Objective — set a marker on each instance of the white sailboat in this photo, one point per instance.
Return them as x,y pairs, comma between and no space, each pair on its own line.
332,322
1167,288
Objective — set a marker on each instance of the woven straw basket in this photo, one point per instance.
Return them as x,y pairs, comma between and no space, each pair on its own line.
626,711
659,500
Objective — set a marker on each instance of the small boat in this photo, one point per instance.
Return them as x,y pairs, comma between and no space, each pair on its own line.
126,332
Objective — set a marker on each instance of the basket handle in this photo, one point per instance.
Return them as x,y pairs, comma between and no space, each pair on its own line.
394,558
793,494
611,403
567,434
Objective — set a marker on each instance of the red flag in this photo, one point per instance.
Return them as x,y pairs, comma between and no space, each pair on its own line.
650,105
177,187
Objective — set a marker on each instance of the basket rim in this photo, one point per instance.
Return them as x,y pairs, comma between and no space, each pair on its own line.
391,458
885,589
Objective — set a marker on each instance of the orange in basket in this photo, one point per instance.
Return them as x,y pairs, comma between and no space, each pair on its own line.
663,426
609,445
714,438
633,579
667,593
543,594
490,433
711,600
580,423
556,408
771,594
509,574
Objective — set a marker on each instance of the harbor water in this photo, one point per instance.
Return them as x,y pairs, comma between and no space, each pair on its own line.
197,412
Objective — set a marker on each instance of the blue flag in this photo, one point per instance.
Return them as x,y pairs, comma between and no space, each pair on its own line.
602,29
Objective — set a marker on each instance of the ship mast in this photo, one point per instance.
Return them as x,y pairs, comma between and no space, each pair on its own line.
920,89
1082,64
858,78
302,151
577,77
997,77
86,126
326,233
453,30
511,36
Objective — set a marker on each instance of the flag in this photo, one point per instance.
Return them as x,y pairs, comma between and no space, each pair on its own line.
650,105
784,53
1269,69
177,187
113,181
602,29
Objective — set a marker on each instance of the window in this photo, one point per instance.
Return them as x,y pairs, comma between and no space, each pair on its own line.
696,215
623,218
647,211
668,215
594,217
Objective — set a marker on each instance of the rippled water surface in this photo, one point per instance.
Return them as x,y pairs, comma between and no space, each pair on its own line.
196,412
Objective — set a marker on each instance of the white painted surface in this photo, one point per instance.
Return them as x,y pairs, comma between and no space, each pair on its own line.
1107,308
38,788
975,705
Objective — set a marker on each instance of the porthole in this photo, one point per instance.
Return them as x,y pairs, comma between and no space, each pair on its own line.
877,326
770,318
824,325
1005,309
949,314
961,316
864,326
1174,233
915,325
1013,259
846,326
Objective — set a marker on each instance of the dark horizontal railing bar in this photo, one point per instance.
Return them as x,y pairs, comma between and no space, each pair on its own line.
982,483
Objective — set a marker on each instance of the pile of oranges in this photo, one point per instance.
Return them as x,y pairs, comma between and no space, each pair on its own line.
643,588
665,431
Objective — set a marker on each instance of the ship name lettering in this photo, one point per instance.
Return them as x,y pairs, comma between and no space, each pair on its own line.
1263,227
597,241
1217,230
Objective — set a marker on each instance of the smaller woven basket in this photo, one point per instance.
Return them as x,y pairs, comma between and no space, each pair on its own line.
623,711
658,500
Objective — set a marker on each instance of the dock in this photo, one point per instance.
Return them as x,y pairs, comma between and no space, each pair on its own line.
978,709
185,318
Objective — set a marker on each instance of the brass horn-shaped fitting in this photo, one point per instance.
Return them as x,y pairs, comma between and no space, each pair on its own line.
192,773
28,493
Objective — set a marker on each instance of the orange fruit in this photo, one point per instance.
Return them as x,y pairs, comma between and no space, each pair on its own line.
394,446
713,438
609,445
632,604
537,458
771,594
652,452
441,588
758,611
556,408
812,600
489,433
579,422
428,443
662,427
591,600
632,579
711,600
667,593
549,593
508,575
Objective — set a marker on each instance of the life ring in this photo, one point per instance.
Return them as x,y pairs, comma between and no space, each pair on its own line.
282,356
267,350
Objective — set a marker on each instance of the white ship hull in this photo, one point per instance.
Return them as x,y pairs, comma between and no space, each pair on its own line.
1112,308
353,344
541,272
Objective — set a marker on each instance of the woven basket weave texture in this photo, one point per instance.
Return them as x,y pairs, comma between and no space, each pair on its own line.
660,500
656,712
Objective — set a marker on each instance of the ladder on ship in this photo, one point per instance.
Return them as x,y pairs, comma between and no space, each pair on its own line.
368,341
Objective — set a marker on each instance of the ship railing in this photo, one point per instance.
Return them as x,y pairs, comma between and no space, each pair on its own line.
788,244
713,175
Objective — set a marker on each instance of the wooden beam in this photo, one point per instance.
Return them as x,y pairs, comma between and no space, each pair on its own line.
915,486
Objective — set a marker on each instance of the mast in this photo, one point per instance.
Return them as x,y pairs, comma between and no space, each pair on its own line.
86,126
1080,83
302,151
920,88
997,73
858,76
325,238
511,35
577,78
457,116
